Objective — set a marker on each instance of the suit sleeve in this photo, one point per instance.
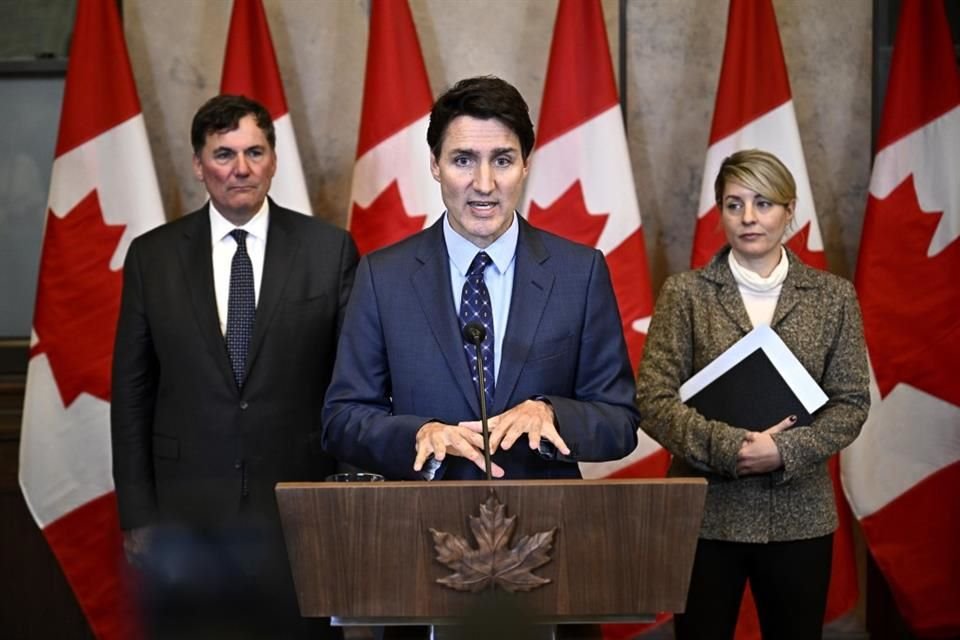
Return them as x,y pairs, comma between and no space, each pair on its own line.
359,426
708,445
599,422
133,396
348,271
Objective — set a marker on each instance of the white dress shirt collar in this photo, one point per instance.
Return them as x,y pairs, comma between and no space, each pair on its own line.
220,227
462,252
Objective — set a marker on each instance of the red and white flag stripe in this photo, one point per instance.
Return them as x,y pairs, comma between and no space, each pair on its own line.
250,68
103,193
394,194
902,475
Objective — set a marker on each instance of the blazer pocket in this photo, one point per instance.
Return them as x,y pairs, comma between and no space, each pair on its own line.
305,305
549,349
166,447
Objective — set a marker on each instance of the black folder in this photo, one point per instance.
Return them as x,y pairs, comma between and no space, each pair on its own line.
754,385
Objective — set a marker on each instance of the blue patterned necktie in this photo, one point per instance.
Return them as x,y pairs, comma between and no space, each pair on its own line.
241,307
475,305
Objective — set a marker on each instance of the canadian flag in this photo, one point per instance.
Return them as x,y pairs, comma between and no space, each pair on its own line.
394,194
250,69
754,109
581,183
103,193
902,474
581,187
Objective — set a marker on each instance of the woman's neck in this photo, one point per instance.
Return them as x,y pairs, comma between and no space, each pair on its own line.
763,265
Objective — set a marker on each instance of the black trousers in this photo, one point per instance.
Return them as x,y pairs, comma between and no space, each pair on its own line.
789,581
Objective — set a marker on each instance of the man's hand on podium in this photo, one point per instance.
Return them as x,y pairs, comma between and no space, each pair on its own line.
438,439
535,418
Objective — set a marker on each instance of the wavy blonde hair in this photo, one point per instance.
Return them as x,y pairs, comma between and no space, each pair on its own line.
758,171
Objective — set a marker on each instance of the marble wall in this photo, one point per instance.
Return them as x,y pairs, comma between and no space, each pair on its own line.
674,48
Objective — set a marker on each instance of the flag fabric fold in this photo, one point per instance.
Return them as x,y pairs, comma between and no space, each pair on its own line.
103,193
250,68
902,474
393,193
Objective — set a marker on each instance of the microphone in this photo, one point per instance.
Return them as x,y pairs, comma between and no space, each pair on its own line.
474,333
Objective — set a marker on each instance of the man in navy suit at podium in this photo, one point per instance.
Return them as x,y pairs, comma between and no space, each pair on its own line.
404,398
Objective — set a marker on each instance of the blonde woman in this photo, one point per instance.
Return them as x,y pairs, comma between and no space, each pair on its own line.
770,514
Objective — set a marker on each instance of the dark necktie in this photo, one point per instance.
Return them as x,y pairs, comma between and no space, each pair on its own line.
475,305
241,306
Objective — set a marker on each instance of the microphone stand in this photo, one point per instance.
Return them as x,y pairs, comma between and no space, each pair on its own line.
474,332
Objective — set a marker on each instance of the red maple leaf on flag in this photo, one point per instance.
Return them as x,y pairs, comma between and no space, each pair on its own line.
798,244
78,300
568,217
384,222
911,321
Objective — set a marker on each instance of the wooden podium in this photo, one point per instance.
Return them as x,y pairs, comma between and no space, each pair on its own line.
364,552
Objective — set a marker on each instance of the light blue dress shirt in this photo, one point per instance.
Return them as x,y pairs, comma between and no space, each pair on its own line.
498,276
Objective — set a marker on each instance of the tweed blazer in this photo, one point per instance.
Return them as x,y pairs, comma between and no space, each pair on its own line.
698,315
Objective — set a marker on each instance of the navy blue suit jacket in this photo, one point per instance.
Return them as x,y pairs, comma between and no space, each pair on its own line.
401,362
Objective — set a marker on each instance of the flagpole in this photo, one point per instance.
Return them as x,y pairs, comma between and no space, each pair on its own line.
622,63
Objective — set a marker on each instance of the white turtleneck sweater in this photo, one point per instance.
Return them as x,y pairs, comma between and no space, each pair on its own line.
760,294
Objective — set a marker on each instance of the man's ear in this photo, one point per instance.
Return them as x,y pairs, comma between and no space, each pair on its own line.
197,168
434,167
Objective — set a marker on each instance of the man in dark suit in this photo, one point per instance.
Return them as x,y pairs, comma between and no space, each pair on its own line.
404,396
224,349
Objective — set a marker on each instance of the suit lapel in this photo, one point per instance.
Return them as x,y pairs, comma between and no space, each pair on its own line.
196,262
798,279
431,281
732,303
532,284
728,295
280,256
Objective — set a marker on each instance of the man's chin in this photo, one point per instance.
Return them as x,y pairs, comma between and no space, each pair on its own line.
240,208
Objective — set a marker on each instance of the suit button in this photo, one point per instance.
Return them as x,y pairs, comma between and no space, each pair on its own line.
243,405
238,464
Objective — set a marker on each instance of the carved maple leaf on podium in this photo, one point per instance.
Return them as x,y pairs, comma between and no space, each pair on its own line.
493,563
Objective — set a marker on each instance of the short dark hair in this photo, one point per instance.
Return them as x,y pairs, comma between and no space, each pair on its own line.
483,97
223,113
